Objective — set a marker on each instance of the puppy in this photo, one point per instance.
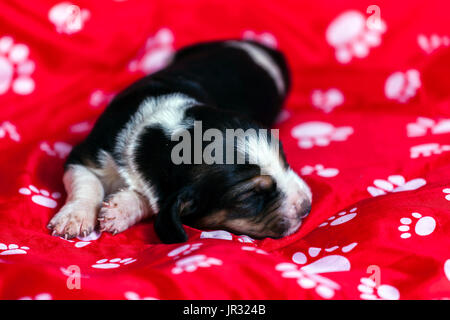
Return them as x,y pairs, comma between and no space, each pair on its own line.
127,168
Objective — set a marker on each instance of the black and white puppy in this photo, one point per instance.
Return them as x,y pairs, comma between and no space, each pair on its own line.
124,170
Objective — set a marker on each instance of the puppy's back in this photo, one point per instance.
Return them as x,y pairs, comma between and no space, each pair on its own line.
241,76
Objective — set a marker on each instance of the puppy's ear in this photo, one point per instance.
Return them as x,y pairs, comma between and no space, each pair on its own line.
168,224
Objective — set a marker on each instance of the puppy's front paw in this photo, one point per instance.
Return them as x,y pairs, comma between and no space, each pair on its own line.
74,219
121,211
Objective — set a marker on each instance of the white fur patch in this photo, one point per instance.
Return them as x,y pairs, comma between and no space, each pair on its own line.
109,173
84,196
264,60
166,111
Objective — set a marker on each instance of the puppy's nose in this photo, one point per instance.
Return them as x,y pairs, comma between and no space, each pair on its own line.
303,207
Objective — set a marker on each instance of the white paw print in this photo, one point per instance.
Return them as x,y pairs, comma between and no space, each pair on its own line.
192,263
424,225
40,296
340,218
41,197
446,191
216,234
8,129
328,263
254,249
112,263
402,86
84,241
327,100
184,250
156,54
225,235
130,295
15,68
99,98
245,239
81,127
317,133
264,38
447,269
369,291
324,287
351,37
427,150
67,17
59,149
394,183
423,125
12,249
320,170
433,42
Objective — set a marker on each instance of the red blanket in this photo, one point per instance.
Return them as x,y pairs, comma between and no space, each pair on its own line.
367,125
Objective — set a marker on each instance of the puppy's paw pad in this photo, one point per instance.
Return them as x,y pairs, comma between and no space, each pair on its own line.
73,220
112,219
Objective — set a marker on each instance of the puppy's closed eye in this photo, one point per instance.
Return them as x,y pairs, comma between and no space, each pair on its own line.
252,195
260,183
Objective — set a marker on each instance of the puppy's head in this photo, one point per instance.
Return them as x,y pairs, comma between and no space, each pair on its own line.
262,197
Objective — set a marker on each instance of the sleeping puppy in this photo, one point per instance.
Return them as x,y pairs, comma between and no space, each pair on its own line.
129,167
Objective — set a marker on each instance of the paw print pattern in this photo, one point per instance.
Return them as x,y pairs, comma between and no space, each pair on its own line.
130,295
340,218
67,17
225,235
320,170
81,127
84,241
324,287
99,98
192,263
394,183
184,250
351,37
8,129
447,269
264,38
40,296
41,197
156,54
327,100
216,234
446,191
12,249
402,86
15,67
423,125
112,263
424,225
427,150
59,149
316,133
369,291
254,249
245,239
328,263
433,42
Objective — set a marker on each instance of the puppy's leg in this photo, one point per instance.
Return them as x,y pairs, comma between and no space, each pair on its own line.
123,209
84,197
